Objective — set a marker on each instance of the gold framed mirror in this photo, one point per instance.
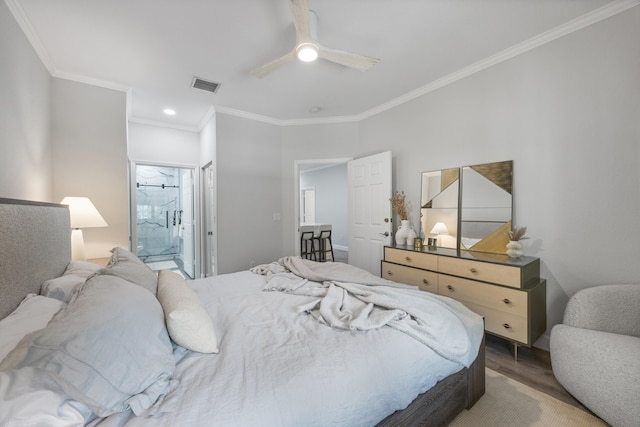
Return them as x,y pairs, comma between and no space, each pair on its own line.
439,206
486,207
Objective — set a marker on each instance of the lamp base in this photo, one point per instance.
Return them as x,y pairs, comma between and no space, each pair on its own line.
77,245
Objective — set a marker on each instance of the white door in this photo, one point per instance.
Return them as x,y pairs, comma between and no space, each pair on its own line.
209,221
186,185
369,210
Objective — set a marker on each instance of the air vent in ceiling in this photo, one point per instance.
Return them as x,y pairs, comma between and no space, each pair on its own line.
199,83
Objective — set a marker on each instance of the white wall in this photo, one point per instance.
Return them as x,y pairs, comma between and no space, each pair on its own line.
25,111
89,140
248,157
157,144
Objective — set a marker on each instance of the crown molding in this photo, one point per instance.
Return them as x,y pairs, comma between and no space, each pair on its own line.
163,124
579,23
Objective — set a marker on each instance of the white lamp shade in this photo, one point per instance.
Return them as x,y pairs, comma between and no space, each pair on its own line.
439,228
82,213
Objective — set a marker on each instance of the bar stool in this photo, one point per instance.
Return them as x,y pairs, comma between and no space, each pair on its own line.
307,242
323,238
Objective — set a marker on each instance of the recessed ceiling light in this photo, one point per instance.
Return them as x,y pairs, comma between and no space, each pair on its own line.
315,109
169,112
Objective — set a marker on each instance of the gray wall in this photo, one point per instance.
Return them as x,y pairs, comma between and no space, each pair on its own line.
248,181
89,138
25,145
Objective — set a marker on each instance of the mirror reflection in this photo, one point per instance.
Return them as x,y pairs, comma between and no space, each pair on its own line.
486,207
439,206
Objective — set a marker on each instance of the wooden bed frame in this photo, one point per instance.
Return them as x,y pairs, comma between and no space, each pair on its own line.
35,245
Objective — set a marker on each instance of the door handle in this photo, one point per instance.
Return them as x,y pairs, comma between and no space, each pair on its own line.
385,234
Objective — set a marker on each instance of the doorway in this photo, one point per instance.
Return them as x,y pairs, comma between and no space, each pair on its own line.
321,198
163,217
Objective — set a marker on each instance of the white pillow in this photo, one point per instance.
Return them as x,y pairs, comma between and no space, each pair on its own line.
188,323
33,314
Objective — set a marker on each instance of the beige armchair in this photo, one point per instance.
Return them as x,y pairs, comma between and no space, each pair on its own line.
595,352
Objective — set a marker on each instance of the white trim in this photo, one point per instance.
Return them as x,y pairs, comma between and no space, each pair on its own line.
579,23
90,81
206,118
164,124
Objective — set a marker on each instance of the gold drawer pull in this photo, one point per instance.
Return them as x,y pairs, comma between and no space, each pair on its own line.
425,281
507,326
506,301
450,287
389,272
473,270
407,259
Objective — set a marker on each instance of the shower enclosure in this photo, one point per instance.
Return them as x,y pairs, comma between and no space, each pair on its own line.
164,217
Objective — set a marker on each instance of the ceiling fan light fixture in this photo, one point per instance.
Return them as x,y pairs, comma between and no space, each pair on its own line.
307,52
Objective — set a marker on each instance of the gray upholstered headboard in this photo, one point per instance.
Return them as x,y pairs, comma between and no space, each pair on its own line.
35,245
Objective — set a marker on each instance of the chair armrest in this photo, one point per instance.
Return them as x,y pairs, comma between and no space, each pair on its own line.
608,308
600,369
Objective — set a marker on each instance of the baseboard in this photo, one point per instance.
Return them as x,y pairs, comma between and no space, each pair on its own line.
544,342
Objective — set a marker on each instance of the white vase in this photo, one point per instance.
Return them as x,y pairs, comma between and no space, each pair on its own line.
403,232
514,249
411,237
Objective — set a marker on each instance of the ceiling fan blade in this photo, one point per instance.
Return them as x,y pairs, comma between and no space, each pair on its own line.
348,59
267,68
300,14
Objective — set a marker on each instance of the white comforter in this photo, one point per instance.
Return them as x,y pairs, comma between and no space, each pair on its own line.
280,367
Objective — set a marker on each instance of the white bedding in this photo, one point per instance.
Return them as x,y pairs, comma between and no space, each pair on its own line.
279,367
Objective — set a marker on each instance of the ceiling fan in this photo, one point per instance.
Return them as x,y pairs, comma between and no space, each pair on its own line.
307,47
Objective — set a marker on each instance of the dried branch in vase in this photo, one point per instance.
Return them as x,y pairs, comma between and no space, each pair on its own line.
398,205
517,234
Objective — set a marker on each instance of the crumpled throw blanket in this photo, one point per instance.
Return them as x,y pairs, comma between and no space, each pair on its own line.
350,298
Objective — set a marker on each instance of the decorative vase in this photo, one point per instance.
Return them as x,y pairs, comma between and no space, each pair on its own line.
411,236
514,248
403,232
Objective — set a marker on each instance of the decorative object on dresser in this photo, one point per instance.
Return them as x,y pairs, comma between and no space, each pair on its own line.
439,229
508,292
398,203
514,247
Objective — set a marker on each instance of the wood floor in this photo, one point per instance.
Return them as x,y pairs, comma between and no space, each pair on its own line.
533,368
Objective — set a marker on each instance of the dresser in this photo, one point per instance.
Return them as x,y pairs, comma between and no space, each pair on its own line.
507,292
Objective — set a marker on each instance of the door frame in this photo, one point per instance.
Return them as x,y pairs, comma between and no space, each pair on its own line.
296,190
133,236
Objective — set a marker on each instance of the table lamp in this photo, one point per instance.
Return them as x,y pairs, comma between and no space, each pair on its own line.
439,229
82,215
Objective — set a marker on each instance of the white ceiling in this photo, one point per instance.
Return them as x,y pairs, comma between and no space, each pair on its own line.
156,47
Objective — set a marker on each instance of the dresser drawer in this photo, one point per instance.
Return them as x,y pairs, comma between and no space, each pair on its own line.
425,280
485,271
495,297
506,325
411,258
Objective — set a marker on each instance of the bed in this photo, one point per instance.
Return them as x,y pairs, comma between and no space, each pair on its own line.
271,352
